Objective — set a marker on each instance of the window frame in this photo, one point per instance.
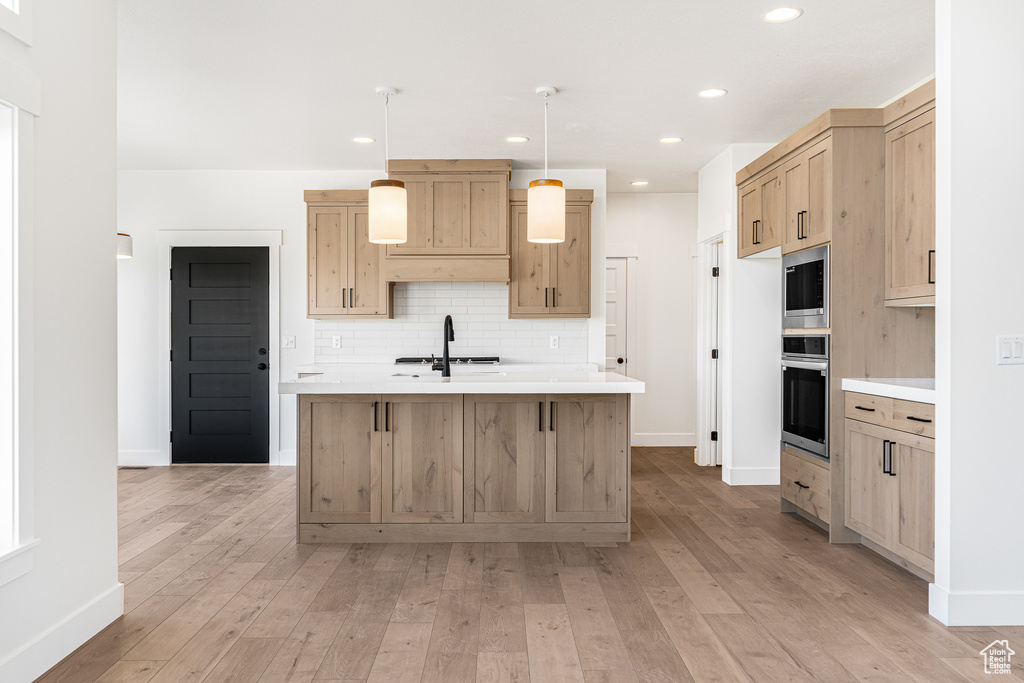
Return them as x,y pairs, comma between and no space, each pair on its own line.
18,21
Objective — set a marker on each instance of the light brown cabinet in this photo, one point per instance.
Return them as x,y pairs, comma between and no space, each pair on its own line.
421,459
456,207
761,212
505,443
910,212
551,280
345,277
807,183
890,483
587,458
804,481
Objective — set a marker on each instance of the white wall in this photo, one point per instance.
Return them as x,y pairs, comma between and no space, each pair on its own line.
749,331
154,201
72,591
663,230
979,556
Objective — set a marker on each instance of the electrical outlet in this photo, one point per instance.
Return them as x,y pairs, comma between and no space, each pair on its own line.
288,342
336,341
554,342
1009,350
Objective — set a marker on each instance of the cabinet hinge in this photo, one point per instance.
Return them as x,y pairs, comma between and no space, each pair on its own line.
714,354
714,436
714,271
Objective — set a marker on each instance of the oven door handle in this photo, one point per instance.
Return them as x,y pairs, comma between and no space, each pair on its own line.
806,364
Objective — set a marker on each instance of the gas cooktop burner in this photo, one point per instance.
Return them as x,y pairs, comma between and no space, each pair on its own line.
455,360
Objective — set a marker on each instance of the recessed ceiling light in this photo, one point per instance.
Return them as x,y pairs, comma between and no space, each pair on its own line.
672,138
782,14
639,182
712,92
363,140
517,138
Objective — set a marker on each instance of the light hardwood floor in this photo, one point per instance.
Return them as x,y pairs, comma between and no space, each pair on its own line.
716,585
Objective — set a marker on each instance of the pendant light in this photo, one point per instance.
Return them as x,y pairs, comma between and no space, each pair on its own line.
124,246
545,200
389,217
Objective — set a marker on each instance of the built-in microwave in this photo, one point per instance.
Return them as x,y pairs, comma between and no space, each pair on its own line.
805,289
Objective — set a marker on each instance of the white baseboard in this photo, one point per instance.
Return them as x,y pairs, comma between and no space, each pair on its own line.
286,458
142,459
44,651
975,608
750,476
679,439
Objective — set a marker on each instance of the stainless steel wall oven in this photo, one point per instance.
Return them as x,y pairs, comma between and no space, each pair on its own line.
805,389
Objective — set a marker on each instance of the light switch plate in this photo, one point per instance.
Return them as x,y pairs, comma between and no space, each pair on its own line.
288,342
1009,350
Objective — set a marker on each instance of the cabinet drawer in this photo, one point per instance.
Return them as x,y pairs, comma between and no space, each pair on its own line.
906,416
806,485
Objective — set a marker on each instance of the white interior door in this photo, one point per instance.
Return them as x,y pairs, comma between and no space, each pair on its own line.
716,370
617,357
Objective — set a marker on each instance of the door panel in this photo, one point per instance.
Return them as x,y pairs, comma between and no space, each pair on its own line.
570,265
367,289
529,289
422,459
910,208
914,500
449,216
220,333
818,220
505,445
868,488
339,451
615,316
794,183
586,458
327,234
750,215
488,215
773,211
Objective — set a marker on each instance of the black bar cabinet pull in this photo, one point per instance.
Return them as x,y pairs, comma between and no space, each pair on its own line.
799,225
387,417
554,299
343,298
801,485
754,226
375,416
885,457
351,297
540,417
931,276
892,472
917,419
545,297
551,416
869,410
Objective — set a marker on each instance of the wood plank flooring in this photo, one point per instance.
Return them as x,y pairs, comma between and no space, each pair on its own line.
716,585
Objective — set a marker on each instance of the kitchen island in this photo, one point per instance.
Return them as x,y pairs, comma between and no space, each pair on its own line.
401,455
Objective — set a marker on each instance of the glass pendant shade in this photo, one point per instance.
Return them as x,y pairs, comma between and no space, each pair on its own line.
545,212
124,245
389,215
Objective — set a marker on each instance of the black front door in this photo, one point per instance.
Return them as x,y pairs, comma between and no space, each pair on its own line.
220,333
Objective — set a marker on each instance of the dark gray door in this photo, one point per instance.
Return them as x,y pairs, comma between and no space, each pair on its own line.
220,333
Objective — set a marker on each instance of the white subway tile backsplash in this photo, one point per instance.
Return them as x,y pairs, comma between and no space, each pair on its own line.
482,328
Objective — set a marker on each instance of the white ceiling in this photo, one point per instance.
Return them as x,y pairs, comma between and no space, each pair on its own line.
287,84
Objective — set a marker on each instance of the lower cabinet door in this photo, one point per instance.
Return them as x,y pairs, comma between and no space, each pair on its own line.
421,460
339,459
868,486
913,535
505,445
587,458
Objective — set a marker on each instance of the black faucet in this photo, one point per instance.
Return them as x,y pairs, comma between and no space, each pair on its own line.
444,362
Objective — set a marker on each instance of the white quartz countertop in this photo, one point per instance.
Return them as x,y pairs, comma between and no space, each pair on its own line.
918,389
416,379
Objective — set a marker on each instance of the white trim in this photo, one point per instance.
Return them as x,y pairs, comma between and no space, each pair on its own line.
708,452
166,239
750,476
621,251
37,656
17,562
18,24
286,457
147,458
973,608
20,87
684,439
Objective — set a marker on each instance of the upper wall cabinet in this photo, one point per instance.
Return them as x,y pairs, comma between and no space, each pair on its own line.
457,207
762,206
345,277
910,199
551,280
807,180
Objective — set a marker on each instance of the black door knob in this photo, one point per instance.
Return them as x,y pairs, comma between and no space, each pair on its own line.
621,361
262,366
262,352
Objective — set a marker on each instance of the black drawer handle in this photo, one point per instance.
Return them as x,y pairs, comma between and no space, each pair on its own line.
801,485
867,410
917,419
